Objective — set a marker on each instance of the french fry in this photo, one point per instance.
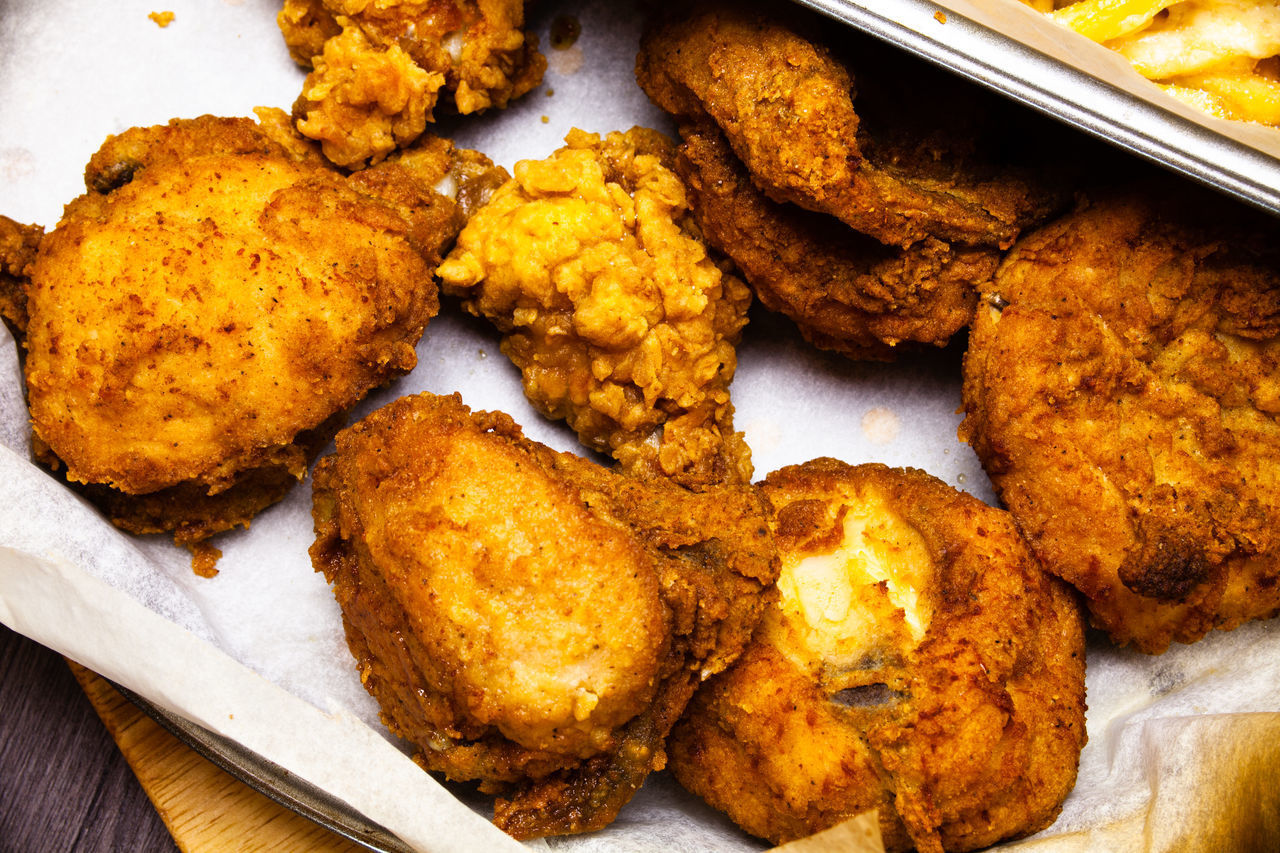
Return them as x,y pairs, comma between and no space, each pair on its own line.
1103,20
1201,36
1244,95
1206,53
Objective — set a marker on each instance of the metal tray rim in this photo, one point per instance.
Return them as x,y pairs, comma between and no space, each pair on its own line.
272,780
1052,87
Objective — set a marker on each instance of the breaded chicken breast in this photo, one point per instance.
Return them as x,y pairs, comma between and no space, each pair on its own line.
917,661
527,618
378,69
201,317
619,321
786,105
1122,388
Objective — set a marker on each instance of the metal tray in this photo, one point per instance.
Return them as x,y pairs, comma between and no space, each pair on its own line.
1055,88
272,780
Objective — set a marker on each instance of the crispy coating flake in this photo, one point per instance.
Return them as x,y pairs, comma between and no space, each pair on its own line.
618,320
786,105
917,661
201,317
1122,388
378,67
845,291
526,618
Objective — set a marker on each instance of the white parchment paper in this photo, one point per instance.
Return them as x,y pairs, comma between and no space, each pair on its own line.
257,653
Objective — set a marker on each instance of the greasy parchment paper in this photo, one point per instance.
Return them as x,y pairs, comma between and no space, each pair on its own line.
1182,746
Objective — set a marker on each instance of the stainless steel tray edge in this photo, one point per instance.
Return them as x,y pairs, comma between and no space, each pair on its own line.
272,780
1097,107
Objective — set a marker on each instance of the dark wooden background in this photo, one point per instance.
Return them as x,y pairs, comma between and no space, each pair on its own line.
64,786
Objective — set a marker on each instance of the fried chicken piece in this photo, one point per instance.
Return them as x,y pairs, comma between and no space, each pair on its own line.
845,291
527,618
378,68
917,661
18,246
201,317
1122,388
786,104
620,323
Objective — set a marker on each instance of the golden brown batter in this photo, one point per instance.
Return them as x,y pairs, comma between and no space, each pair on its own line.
526,618
201,317
1122,387
378,68
618,320
918,661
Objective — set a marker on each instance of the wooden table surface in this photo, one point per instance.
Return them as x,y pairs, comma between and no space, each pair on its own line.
73,752
63,783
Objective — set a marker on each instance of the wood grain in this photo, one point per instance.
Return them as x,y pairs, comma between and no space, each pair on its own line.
206,809
63,784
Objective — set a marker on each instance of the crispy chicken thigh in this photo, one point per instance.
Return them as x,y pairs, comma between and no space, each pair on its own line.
527,618
845,291
787,104
862,193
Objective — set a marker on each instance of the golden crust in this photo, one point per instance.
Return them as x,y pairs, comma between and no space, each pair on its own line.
378,68
1122,387
930,670
610,306
845,291
199,317
18,246
526,618
786,105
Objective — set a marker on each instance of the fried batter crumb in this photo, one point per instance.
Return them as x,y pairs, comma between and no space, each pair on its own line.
204,559
616,316
565,30
162,19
